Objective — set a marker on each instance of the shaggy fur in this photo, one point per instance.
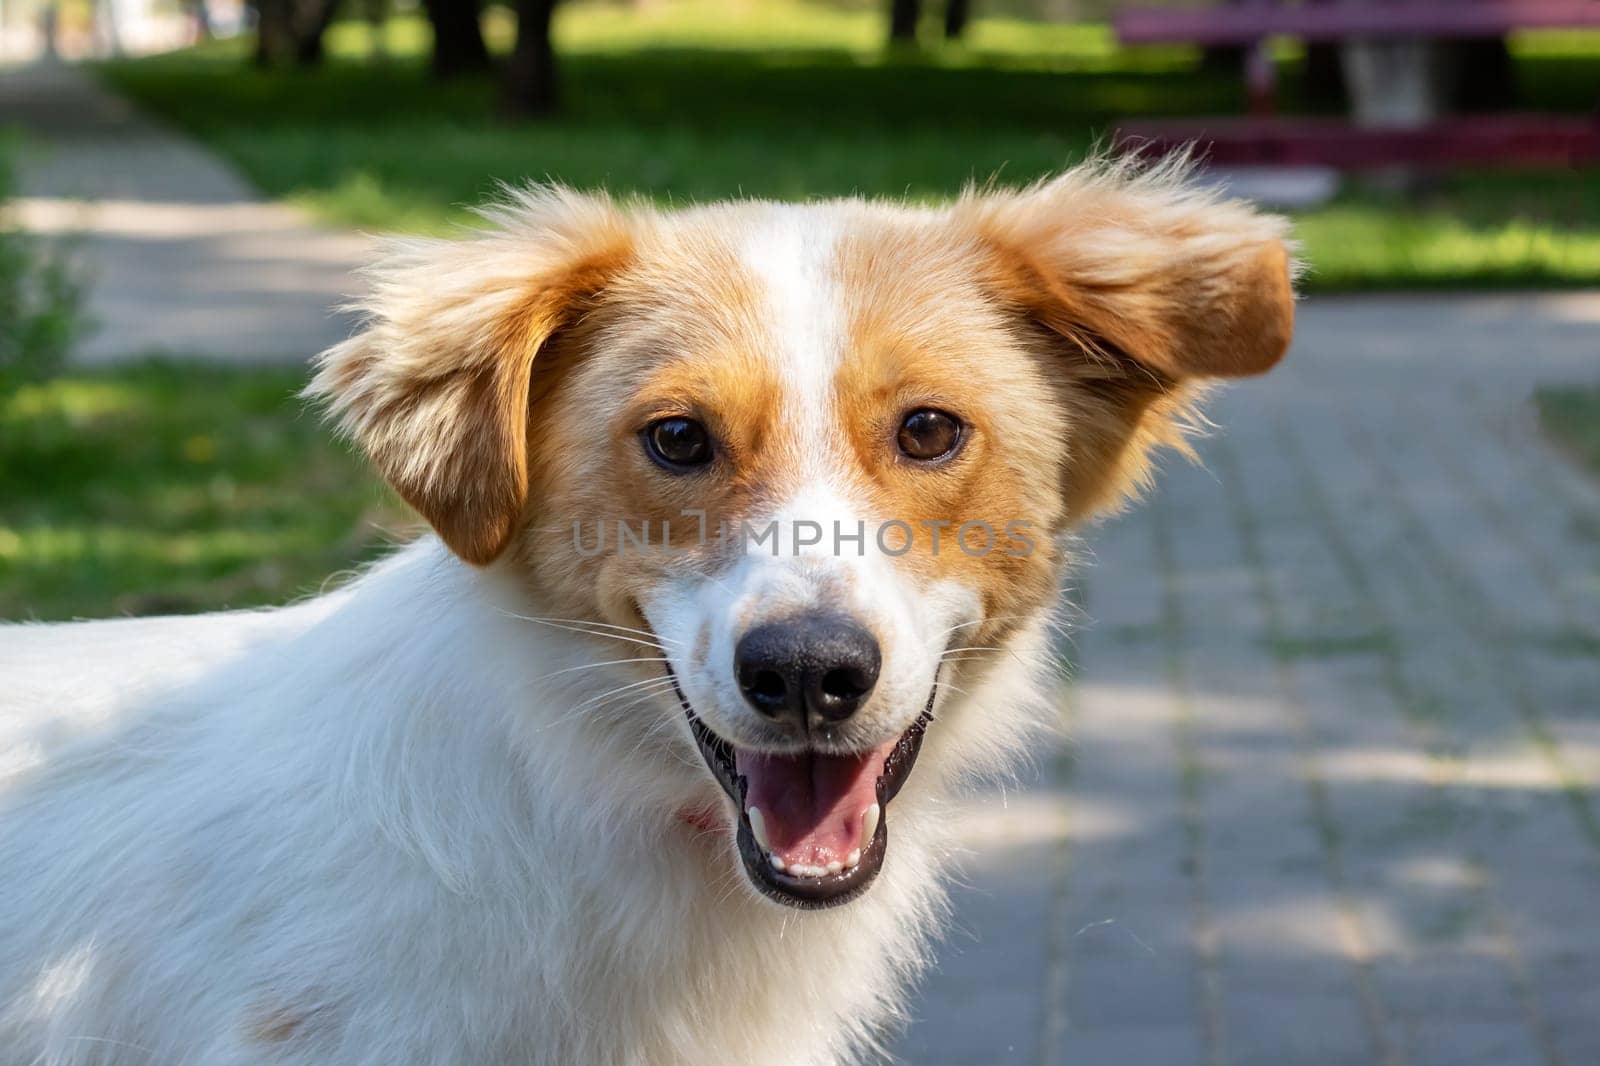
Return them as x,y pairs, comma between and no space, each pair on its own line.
452,813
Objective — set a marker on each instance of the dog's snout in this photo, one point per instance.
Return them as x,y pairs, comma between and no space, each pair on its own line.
821,666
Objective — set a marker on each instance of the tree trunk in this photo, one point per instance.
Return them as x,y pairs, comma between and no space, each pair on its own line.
310,27
530,80
273,34
291,30
903,17
308,49
956,15
458,46
202,20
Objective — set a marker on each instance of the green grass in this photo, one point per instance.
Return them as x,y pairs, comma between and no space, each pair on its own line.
691,100
162,487
1570,415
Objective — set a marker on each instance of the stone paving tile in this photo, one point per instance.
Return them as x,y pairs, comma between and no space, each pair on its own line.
1132,1046
1464,1042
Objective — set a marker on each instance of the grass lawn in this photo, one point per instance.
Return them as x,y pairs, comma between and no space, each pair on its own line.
161,488
1570,416
688,100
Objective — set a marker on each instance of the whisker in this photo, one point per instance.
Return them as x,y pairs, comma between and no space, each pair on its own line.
649,682
993,618
596,666
590,628
650,686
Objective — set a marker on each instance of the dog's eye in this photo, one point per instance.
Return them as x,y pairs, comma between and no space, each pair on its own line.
678,443
927,434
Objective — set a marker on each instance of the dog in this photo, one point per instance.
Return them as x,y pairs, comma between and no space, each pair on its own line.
748,523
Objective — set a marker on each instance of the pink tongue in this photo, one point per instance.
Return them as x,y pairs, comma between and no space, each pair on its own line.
812,804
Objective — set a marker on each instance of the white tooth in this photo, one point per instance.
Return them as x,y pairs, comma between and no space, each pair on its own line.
758,828
835,866
806,871
852,859
777,863
869,822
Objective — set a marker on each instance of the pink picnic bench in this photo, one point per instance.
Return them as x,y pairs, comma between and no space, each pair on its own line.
1263,138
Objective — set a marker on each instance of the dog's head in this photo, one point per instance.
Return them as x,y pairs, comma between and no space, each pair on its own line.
822,457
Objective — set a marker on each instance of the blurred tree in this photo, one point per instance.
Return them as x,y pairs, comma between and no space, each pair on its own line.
201,14
377,13
903,18
956,14
290,31
458,46
530,79
905,14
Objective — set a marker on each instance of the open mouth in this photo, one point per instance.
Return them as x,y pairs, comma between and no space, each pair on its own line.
813,827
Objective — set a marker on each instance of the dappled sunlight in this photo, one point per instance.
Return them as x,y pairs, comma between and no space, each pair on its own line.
1297,926
1581,307
1437,871
1028,817
165,220
1526,770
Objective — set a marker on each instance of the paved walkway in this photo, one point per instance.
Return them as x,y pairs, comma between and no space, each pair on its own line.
1330,796
180,255
1330,793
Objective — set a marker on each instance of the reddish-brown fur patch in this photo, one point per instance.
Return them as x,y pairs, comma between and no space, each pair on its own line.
920,334
678,334
272,1024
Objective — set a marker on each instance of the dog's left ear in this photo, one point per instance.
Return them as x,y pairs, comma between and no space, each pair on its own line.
1150,288
435,389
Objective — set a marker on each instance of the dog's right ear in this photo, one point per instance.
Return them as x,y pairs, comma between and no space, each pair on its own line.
1151,288
435,388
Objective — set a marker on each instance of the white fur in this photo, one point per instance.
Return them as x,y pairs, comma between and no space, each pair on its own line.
374,813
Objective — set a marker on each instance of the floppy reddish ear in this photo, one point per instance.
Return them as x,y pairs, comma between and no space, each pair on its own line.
435,388
1154,287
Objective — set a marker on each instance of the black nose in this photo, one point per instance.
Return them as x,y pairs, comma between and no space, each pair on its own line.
812,664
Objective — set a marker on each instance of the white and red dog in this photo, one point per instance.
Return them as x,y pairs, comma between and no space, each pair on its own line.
583,780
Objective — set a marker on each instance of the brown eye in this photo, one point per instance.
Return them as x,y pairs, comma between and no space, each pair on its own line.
926,435
678,444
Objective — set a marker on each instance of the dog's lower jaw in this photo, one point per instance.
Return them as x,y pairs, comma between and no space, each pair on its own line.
850,872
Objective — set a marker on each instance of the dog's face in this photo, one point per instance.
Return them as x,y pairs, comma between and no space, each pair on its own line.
821,456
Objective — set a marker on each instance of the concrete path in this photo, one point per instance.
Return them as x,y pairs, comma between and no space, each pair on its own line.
180,255
1330,796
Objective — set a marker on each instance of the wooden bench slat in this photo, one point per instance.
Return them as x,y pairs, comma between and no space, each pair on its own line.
1491,140
1245,24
